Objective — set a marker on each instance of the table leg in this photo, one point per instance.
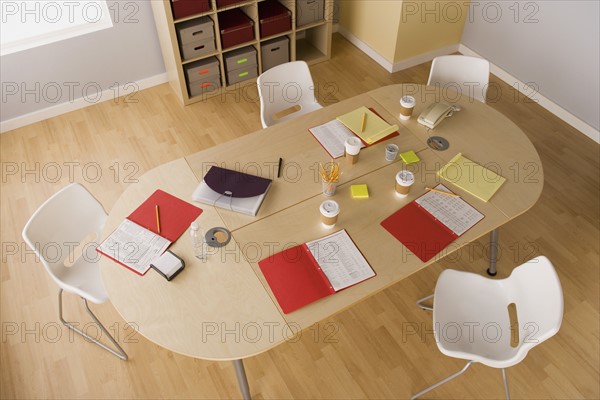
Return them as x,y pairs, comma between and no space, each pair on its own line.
493,252
240,373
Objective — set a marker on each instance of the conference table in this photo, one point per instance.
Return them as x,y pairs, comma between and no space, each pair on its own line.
223,308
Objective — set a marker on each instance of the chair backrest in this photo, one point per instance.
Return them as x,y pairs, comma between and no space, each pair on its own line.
60,224
467,75
283,87
535,289
480,307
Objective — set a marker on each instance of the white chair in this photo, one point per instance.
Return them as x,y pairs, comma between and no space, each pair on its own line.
64,220
467,75
284,87
471,318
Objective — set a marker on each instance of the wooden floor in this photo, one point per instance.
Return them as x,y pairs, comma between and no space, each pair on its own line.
381,348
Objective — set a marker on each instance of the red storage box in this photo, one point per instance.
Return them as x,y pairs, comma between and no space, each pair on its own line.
236,28
274,18
185,8
225,3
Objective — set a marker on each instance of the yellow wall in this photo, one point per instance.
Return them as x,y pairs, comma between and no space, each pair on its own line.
374,22
429,25
399,30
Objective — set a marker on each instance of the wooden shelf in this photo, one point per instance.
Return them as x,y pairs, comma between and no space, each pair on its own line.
310,42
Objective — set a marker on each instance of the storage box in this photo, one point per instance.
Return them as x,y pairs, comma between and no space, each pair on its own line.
199,70
225,3
208,84
274,18
236,28
197,49
240,58
242,74
308,11
195,30
275,52
185,8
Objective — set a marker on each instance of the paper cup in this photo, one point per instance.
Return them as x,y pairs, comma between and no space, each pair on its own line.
404,181
352,146
407,104
329,213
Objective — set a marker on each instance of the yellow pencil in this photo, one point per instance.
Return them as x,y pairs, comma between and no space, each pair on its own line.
442,192
157,219
362,125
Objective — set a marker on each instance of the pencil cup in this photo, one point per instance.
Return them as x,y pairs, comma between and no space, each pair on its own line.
407,104
391,152
352,146
329,188
329,213
404,181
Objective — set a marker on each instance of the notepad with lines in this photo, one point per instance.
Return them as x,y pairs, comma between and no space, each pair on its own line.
468,175
375,128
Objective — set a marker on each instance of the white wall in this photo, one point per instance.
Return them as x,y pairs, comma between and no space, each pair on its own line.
76,68
554,44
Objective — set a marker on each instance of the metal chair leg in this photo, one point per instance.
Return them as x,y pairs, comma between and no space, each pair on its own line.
422,306
421,393
505,384
119,352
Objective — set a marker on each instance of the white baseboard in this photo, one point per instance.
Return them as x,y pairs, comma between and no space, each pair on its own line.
76,104
543,101
379,59
425,57
400,65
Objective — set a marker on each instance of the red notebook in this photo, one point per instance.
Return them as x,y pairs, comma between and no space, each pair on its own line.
430,223
136,242
308,272
176,215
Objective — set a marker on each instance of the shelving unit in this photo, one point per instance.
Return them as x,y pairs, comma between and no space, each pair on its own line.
311,42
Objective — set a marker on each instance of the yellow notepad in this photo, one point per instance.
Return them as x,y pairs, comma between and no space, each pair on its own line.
359,191
471,177
375,128
409,157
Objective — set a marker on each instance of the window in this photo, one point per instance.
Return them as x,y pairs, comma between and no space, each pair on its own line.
26,24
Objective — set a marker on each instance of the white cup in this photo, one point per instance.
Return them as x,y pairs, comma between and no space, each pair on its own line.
407,104
404,181
330,210
352,146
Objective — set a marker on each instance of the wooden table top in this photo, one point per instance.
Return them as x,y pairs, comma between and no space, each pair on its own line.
223,309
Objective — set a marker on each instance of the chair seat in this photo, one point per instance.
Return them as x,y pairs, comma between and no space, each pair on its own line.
83,279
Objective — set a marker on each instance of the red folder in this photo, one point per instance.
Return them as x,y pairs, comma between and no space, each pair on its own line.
295,278
176,215
419,231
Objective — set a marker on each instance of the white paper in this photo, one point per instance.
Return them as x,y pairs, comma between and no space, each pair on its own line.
455,213
340,260
332,136
134,246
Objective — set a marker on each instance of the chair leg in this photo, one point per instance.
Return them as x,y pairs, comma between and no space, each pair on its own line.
119,352
422,306
422,392
505,384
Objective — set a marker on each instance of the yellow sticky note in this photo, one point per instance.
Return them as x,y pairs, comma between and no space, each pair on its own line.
409,157
360,191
